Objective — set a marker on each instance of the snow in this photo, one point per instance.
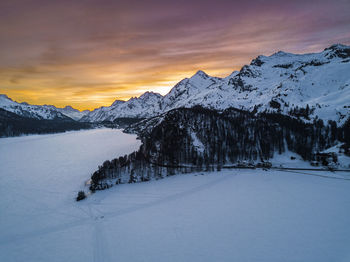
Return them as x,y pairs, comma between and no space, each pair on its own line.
233,215
343,160
197,144
40,176
289,159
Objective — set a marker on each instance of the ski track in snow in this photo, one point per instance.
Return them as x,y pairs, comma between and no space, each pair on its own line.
100,249
97,216
318,175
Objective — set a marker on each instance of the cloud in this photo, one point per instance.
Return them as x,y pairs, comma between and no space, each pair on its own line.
92,52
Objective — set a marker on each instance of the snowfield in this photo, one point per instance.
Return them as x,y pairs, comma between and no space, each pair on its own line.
233,215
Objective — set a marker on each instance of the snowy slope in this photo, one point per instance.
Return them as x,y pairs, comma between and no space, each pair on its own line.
39,112
279,83
343,159
72,112
187,91
234,215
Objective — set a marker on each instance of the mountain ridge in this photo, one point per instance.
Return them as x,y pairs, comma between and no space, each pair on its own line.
282,82
310,86
41,112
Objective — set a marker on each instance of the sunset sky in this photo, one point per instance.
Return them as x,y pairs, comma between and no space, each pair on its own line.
89,53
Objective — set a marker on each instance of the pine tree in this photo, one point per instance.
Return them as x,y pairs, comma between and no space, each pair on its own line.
81,195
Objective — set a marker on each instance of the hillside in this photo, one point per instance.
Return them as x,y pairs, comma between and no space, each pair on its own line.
198,139
12,124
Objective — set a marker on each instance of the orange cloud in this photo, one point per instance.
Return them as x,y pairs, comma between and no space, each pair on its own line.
89,53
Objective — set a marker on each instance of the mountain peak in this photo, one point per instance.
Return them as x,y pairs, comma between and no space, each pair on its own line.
338,50
70,109
337,47
117,102
201,74
149,94
258,61
3,96
281,54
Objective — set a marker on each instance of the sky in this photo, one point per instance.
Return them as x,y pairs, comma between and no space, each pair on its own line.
88,53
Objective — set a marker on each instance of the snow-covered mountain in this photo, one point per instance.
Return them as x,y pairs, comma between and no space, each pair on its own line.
48,112
308,86
72,112
187,91
282,82
31,111
146,105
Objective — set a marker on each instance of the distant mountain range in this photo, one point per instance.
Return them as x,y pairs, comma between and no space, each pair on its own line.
307,87
22,118
47,112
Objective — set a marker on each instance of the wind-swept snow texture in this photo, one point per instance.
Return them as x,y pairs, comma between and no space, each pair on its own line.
233,215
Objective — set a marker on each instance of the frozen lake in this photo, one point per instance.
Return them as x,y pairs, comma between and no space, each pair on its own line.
40,176
234,215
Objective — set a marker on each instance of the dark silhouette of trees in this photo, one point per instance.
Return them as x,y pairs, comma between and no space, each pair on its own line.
81,195
187,140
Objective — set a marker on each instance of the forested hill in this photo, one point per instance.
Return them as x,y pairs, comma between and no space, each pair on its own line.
12,124
188,139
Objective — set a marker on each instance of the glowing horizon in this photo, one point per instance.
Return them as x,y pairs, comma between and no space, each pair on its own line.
88,53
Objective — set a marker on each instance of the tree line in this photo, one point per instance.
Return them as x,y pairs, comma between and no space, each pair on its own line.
194,139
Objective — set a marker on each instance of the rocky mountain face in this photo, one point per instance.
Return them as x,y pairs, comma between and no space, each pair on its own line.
307,86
